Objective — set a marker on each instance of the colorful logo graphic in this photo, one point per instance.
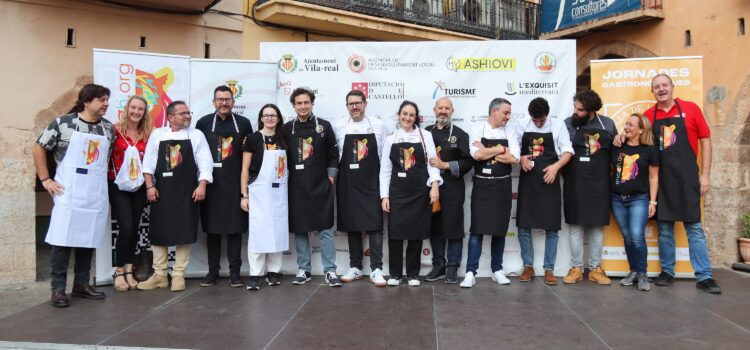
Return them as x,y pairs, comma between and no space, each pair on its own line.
307,147
545,62
92,151
481,64
175,157
592,144
537,148
153,87
226,147
627,168
668,137
357,63
271,146
441,89
407,158
287,64
361,86
362,149
439,86
236,88
134,168
280,167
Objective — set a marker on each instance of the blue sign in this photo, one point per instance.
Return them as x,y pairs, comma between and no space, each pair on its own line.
559,14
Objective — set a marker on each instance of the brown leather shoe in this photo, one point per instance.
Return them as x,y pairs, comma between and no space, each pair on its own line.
86,291
527,274
599,276
549,277
59,299
574,275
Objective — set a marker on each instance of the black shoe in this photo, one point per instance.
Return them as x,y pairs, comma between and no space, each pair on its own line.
664,279
451,275
210,279
273,279
437,273
332,279
86,291
253,283
235,281
709,286
59,299
302,277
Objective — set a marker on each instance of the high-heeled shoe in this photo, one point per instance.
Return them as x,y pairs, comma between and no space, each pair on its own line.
120,287
135,282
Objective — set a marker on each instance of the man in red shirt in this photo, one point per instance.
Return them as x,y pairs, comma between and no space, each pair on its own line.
678,128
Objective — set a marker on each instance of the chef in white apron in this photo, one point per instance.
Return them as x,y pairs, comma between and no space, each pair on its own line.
80,143
264,196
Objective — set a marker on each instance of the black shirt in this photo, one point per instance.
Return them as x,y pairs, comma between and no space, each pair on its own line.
256,143
630,168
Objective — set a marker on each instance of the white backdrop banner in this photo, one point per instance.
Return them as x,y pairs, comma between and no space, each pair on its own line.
470,73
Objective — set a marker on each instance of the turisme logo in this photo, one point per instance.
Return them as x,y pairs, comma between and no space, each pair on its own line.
442,90
236,88
287,63
481,64
357,63
545,62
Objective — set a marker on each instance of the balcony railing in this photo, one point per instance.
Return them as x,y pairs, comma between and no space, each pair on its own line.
495,19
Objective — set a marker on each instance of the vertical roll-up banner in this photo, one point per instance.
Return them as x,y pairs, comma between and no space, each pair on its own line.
625,88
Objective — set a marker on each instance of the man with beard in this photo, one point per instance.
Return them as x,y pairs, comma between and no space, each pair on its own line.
221,214
586,189
454,161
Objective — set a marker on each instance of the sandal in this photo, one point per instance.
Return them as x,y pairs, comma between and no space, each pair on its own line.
120,287
135,282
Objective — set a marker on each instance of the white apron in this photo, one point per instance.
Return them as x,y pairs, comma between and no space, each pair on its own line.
80,215
269,215
130,176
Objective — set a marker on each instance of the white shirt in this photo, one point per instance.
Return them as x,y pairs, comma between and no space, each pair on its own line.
364,126
500,133
201,151
560,134
412,137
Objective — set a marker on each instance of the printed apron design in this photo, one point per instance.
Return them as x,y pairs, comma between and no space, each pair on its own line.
268,215
538,202
357,186
409,195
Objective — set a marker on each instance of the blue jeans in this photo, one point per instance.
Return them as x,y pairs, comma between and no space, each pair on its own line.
696,244
631,214
596,235
527,248
497,247
327,250
455,247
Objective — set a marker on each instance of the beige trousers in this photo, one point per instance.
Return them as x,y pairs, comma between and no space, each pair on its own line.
181,259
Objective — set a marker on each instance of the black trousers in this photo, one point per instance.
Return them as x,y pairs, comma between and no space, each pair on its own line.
58,266
234,251
396,258
127,208
376,249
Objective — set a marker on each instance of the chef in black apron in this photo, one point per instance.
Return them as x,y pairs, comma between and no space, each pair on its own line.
454,161
177,166
408,187
495,148
360,142
678,128
545,149
221,214
586,184
313,159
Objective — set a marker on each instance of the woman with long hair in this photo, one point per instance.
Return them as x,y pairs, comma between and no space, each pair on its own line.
127,195
635,181
263,183
408,187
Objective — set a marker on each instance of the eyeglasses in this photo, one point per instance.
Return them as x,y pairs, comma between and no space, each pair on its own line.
354,104
223,100
269,116
184,114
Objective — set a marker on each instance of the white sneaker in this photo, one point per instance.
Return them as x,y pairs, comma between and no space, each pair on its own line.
394,282
352,274
469,280
499,276
414,282
376,277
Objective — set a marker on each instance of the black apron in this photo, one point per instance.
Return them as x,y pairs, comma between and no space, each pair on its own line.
220,211
492,194
448,223
174,217
409,195
357,187
538,202
586,191
679,194
310,191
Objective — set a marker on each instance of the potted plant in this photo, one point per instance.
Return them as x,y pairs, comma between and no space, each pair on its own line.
745,239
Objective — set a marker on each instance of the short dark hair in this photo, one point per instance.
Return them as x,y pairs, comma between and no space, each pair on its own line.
171,107
302,91
223,88
87,94
495,103
279,124
538,108
356,93
589,99
416,108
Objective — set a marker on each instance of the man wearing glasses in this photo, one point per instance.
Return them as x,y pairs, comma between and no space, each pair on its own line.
177,167
221,214
360,142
